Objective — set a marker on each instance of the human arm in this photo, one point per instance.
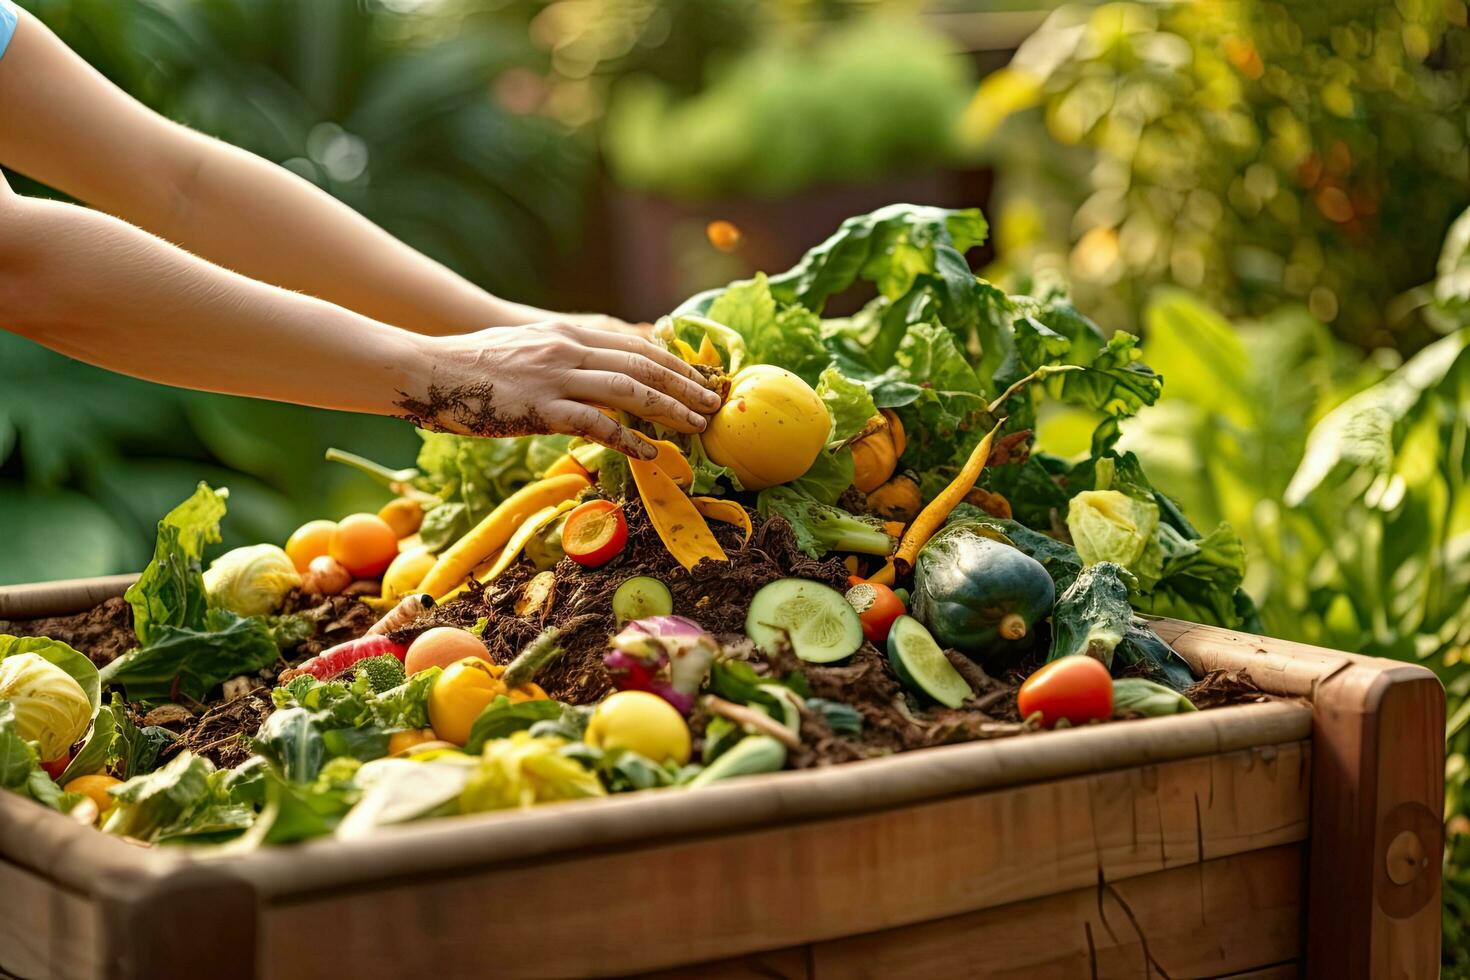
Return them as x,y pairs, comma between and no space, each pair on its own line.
70,128
97,289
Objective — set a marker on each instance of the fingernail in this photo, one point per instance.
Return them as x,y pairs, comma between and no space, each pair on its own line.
711,399
697,421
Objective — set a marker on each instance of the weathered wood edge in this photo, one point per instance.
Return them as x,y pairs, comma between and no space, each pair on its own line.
43,599
1377,796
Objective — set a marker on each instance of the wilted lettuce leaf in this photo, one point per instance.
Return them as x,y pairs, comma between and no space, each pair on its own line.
149,805
170,592
521,770
847,401
471,475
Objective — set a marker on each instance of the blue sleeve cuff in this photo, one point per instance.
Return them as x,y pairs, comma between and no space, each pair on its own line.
7,25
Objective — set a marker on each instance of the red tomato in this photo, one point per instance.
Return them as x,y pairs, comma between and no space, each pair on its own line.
877,607
594,533
56,767
1077,688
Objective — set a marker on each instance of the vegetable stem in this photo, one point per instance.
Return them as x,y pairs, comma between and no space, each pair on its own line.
533,659
750,718
399,481
1012,627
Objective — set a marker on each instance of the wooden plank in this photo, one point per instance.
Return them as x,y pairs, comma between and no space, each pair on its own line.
1376,832
718,897
1223,917
447,846
76,595
46,932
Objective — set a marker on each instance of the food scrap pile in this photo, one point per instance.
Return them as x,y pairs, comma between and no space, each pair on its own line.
863,553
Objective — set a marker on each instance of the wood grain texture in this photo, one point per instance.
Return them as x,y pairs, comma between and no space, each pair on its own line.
46,933
60,598
717,897
1221,917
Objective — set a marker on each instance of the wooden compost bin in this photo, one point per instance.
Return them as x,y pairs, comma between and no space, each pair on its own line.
1264,840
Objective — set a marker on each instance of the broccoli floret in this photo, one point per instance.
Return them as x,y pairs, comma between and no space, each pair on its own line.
821,528
383,673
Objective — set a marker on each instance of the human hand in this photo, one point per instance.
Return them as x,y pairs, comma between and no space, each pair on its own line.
546,377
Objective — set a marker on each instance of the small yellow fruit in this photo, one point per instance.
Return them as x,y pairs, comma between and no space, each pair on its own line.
640,722
406,572
770,429
95,788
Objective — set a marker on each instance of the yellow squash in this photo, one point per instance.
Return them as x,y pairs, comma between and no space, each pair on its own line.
518,541
770,429
492,533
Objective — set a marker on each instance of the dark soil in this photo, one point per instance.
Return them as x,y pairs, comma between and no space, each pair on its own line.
715,594
103,632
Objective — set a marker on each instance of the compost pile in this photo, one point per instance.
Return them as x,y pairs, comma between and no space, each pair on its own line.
864,552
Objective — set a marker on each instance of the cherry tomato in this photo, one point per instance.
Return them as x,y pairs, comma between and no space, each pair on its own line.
56,767
95,788
877,607
594,533
365,544
1076,688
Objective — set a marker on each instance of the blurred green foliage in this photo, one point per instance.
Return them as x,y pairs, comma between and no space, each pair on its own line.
784,116
1255,152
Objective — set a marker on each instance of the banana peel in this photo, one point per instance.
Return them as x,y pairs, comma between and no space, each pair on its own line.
725,511
674,516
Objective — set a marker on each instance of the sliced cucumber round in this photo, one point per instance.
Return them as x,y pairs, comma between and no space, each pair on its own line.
820,624
922,666
640,597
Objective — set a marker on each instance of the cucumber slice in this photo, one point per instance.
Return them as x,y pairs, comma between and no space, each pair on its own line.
820,623
922,666
640,597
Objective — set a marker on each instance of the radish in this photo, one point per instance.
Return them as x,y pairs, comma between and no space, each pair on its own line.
328,664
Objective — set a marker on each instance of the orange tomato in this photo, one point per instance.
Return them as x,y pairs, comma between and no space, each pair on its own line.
442,646
364,544
309,541
1077,688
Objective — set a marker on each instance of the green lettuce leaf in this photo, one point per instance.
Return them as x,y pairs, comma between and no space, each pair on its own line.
948,416
170,592
889,247
162,800
830,474
848,402
225,646
502,716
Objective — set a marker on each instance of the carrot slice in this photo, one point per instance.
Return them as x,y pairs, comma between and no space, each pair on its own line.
725,511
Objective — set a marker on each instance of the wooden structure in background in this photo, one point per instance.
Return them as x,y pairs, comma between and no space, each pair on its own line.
1264,840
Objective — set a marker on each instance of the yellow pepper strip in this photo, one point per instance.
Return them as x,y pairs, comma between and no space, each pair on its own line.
726,511
671,460
679,525
685,352
884,575
532,526
707,355
491,534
